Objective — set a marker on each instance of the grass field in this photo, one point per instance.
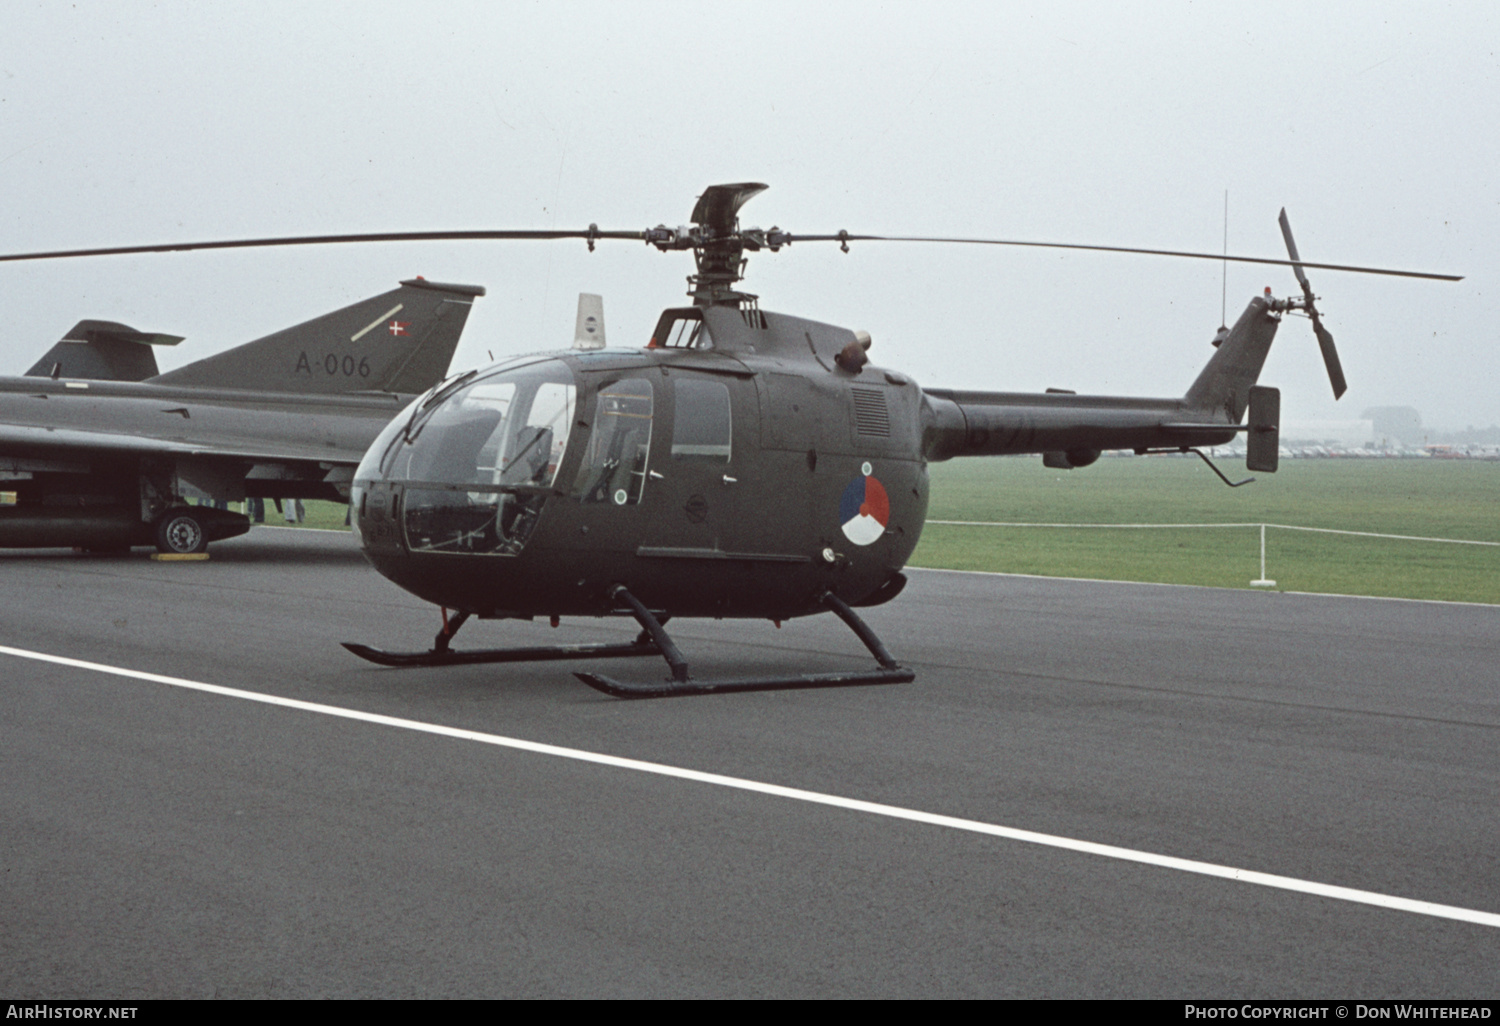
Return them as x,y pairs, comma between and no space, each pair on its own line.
326,515
1429,498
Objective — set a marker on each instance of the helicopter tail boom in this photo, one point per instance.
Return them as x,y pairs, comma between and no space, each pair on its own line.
1071,430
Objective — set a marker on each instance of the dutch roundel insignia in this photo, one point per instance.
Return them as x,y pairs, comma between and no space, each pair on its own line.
864,509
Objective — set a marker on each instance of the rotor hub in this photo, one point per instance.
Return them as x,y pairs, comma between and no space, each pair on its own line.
718,243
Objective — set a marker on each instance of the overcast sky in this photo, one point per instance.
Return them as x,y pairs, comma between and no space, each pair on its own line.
1375,126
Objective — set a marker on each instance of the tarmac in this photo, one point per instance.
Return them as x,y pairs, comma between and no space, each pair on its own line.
256,813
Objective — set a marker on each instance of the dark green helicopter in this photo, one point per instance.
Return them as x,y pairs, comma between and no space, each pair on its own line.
742,463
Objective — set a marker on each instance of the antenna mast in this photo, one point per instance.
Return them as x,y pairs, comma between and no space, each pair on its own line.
1224,275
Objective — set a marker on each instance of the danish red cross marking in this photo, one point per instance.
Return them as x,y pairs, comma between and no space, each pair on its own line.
398,327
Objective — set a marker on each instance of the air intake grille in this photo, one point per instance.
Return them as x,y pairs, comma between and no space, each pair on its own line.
871,417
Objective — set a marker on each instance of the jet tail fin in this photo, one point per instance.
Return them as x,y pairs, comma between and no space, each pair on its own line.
102,351
399,341
1225,382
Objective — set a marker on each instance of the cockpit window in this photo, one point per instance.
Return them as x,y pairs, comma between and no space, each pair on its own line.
614,467
479,469
479,523
509,428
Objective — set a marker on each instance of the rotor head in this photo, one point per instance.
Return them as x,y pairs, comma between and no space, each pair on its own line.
717,242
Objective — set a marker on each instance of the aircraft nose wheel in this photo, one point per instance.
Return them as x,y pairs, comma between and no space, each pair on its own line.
180,532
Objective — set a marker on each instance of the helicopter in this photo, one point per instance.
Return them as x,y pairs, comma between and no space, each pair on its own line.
741,464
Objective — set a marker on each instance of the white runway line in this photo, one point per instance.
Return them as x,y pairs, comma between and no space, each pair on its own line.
1110,851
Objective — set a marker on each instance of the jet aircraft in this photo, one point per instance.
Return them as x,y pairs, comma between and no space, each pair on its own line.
97,448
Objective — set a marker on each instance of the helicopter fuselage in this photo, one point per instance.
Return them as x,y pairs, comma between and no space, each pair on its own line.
731,475
743,464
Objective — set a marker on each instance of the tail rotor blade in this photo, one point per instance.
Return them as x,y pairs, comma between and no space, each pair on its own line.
1330,359
1325,338
1291,251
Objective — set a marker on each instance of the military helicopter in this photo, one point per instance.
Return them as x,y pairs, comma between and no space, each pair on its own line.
741,463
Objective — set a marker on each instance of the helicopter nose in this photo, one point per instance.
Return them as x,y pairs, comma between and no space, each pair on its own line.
467,469
374,507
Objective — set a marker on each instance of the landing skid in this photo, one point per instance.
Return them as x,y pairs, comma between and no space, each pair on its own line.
668,689
682,684
653,640
499,655
441,655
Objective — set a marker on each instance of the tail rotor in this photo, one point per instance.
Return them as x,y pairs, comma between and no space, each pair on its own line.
1325,338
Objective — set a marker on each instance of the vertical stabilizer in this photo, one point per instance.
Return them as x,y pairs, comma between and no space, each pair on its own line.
398,341
102,351
1224,384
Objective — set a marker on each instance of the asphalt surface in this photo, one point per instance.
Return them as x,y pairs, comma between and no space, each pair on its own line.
157,841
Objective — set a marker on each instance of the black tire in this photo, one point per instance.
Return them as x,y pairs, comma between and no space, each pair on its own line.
180,532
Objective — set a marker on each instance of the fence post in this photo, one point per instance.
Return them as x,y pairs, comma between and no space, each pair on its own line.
1261,582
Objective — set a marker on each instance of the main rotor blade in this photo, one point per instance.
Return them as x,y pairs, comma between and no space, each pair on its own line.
846,237
638,236
1291,249
1330,359
316,240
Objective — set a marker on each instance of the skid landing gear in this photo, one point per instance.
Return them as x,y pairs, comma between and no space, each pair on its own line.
681,684
653,640
441,655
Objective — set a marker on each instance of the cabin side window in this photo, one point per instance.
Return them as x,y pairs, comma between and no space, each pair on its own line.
615,465
701,427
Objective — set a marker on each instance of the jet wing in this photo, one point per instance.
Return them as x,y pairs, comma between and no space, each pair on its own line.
30,439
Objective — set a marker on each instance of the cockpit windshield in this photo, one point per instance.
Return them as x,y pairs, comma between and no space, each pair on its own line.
509,428
478,464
